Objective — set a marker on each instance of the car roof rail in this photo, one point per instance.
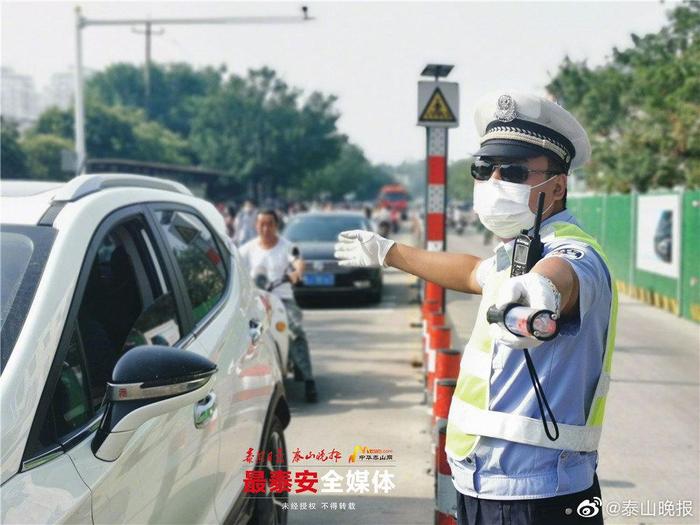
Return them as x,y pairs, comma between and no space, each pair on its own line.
83,185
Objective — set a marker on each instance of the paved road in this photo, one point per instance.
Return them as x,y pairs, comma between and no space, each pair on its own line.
369,395
649,450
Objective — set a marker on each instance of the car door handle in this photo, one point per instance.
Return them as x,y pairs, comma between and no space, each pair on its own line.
204,410
255,329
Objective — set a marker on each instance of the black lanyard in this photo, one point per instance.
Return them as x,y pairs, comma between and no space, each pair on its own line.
541,398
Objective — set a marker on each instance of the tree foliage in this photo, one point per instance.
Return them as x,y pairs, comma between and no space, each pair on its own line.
116,131
260,130
13,157
352,173
642,108
460,184
44,154
176,90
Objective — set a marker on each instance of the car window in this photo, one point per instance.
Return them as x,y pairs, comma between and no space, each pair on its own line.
16,251
72,406
394,196
126,302
321,228
198,257
23,254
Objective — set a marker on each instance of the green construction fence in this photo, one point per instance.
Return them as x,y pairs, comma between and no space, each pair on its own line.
617,221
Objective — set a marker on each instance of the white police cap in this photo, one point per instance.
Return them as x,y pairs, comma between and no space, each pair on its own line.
521,125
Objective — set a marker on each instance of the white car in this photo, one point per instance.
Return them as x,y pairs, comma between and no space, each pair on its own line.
139,361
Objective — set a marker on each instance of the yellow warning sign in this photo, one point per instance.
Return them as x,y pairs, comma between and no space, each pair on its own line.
437,109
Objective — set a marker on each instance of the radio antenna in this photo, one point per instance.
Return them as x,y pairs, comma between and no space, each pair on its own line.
538,217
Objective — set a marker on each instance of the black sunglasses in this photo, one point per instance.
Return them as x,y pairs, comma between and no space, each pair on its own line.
482,170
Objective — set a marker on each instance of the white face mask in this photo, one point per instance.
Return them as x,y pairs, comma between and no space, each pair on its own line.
504,207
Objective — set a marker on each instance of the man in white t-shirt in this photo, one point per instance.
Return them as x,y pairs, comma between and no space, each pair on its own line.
271,255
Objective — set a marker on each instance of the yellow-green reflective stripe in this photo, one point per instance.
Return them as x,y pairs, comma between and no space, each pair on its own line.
473,390
571,231
458,443
612,331
597,412
480,343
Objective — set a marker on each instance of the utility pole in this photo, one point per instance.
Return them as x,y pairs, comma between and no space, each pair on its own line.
147,32
79,121
81,22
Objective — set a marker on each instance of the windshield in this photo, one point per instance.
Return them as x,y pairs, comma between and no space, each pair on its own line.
394,196
15,252
23,253
322,228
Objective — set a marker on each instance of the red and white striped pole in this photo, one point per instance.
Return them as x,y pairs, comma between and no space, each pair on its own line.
435,203
438,110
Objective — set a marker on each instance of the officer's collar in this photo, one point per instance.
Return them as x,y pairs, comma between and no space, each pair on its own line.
560,216
504,250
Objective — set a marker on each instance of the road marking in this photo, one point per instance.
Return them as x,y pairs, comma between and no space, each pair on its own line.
344,311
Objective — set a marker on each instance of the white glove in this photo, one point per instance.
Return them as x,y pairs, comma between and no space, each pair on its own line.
361,248
532,290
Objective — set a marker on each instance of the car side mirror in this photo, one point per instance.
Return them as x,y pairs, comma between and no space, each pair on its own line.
149,381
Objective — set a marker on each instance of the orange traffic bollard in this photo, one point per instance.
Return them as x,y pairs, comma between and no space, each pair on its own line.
444,388
447,363
430,306
439,339
427,308
445,492
433,292
434,318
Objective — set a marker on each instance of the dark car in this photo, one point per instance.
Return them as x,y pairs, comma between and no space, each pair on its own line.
663,237
315,234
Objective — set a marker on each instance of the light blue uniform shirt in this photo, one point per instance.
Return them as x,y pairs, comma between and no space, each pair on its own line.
568,368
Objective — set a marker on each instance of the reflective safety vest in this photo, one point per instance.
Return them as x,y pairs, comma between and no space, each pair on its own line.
470,416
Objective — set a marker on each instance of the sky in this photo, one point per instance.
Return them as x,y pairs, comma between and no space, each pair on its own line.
368,54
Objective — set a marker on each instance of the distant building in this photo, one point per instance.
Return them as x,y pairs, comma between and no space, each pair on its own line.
20,101
60,91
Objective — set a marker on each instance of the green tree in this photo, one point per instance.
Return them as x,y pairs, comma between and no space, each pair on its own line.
12,156
176,90
44,156
260,130
642,108
117,131
55,121
351,173
460,184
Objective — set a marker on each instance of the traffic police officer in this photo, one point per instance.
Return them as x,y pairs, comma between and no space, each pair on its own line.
506,466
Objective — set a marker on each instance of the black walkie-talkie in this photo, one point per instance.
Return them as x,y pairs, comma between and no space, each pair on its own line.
528,250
